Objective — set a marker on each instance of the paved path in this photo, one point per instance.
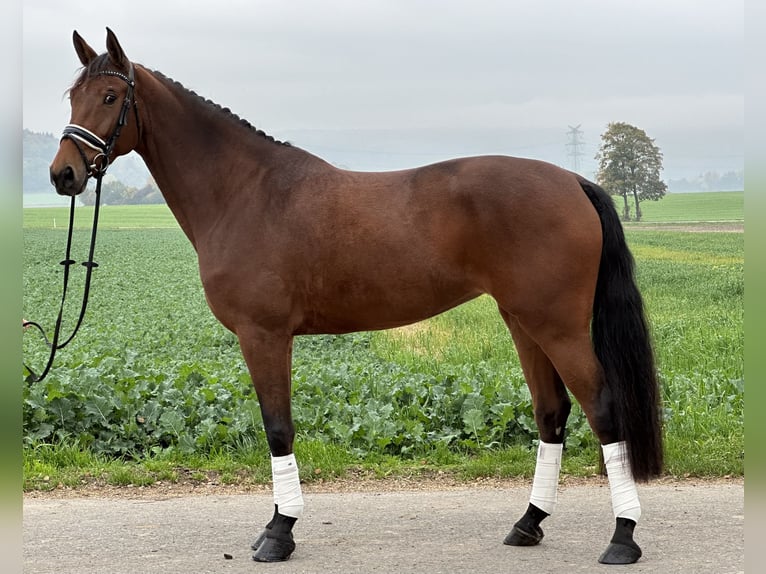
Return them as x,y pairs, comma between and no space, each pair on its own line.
685,528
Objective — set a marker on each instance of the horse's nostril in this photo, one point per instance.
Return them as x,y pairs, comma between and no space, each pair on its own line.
64,178
67,176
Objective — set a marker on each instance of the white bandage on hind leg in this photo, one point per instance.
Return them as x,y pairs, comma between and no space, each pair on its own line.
625,502
287,485
546,481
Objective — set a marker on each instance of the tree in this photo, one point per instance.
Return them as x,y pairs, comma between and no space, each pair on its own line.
630,164
115,192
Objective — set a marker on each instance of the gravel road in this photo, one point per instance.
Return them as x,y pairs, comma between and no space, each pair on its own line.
689,527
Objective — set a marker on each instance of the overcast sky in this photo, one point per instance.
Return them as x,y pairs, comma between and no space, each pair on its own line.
423,75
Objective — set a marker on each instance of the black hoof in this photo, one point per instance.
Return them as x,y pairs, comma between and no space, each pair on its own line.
274,549
527,531
622,548
620,554
518,537
275,544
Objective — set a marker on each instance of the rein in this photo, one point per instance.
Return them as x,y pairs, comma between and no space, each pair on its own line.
80,135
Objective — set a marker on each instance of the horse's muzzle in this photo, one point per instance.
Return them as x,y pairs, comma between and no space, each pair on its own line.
67,181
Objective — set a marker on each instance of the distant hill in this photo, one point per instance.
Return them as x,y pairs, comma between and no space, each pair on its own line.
39,149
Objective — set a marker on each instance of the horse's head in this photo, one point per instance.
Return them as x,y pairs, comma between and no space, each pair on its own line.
102,125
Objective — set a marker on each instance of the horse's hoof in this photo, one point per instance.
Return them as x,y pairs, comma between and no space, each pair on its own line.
620,554
275,543
622,548
273,549
519,537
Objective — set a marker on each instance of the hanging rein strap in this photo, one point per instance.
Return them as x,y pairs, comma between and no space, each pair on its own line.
67,263
80,135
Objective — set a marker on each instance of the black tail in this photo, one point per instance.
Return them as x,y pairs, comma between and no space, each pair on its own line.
622,344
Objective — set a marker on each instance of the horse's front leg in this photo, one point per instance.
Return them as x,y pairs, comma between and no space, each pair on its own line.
268,358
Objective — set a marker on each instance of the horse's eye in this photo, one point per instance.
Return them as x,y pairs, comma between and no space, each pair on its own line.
109,99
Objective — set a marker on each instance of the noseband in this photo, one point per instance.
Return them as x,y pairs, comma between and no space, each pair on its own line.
80,135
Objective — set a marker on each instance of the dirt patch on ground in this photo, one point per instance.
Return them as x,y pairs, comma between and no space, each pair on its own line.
708,227
437,481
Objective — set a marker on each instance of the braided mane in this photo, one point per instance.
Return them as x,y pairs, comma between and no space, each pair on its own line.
218,108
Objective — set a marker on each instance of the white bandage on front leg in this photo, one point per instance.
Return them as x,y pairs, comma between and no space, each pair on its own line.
625,502
546,481
287,486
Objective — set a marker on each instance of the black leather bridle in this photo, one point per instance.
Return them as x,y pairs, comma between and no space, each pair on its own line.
82,136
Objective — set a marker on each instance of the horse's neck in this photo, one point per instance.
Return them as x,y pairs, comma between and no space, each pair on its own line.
178,145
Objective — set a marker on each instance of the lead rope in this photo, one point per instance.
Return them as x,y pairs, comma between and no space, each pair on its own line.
54,345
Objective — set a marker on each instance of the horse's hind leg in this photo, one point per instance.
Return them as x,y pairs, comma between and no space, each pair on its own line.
572,354
551,407
268,359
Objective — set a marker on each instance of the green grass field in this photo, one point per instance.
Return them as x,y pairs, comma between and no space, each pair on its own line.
708,207
110,217
154,384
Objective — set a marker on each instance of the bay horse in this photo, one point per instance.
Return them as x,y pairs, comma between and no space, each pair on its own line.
291,245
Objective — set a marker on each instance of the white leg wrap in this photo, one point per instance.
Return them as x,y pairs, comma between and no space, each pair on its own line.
287,486
625,502
546,481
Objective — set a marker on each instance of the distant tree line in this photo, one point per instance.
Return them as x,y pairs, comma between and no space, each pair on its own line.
710,181
114,192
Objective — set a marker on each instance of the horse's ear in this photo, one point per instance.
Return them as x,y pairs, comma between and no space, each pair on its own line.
116,53
84,52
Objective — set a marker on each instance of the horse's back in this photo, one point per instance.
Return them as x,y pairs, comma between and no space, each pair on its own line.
496,196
